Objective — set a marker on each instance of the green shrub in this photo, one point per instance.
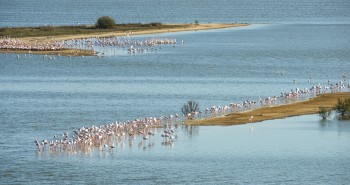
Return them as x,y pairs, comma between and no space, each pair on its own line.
105,22
343,108
190,108
324,113
155,24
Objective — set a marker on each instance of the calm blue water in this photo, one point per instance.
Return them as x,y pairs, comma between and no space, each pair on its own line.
67,12
41,97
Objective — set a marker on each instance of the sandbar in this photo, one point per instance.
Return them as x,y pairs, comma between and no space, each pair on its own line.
186,27
310,106
78,52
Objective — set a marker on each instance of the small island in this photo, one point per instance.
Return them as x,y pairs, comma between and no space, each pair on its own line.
47,39
311,106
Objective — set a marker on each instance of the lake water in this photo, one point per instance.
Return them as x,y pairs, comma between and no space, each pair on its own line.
304,40
67,12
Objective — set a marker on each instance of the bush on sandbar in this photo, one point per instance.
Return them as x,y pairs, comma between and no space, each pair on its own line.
343,108
105,22
190,108
324,113
155,24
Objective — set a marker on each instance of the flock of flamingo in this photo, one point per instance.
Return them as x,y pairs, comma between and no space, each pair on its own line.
132,46
110,136
284,98
118,134
126,43
17,44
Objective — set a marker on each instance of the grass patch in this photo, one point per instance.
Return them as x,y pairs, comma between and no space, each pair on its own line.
83,29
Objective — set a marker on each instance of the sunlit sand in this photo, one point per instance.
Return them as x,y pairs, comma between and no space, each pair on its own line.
311,106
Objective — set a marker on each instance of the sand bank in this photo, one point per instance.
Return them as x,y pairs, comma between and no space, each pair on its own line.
77,52
311,106
186,27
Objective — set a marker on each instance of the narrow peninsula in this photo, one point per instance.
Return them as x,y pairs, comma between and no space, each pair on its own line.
49,34
310,106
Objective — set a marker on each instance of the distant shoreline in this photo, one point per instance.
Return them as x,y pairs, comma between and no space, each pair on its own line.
311,106
79,52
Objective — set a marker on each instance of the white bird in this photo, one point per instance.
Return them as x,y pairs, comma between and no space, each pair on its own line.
105,146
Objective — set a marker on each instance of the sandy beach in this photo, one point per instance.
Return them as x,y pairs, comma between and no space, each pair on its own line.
77,52
276,112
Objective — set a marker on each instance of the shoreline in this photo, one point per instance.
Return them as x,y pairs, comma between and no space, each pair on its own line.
79,52
306,107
